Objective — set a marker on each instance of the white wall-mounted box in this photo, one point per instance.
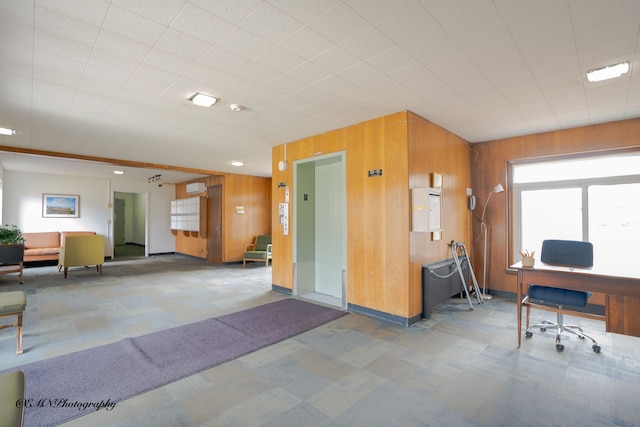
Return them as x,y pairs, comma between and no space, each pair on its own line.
196,187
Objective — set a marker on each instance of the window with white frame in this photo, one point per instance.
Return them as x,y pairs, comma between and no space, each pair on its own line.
591,199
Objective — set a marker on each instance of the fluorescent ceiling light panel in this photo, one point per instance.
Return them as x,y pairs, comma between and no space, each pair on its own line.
7,131
609,72
203,100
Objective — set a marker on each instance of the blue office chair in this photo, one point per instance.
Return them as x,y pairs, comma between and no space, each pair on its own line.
568,253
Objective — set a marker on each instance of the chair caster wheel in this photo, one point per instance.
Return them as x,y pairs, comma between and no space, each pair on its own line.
581,337
559,347
543,329
529,334
596,348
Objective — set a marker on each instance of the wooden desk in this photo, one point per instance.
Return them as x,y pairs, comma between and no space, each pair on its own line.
619,284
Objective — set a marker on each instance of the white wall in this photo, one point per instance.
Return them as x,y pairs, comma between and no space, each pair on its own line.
22,205
139,217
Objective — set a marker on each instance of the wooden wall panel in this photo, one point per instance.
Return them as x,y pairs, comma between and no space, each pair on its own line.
384,259
377,215
433,149
252,193
282,270
490,166
190,243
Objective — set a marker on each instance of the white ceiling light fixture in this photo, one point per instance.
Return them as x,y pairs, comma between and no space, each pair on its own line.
117,172
235,107
203,100
7,131
610,72
236,163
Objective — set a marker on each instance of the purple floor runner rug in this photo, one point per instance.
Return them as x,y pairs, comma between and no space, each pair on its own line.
58,388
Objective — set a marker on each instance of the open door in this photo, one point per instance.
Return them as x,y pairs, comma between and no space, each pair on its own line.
320,230
129,225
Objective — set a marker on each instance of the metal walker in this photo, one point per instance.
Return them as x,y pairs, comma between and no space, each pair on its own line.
459,251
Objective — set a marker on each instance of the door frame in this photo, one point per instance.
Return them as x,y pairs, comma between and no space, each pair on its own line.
339,156
111,236
215,238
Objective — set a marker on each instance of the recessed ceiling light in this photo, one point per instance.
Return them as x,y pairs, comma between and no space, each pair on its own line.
609,72
203,100
236,163
7,131
118,172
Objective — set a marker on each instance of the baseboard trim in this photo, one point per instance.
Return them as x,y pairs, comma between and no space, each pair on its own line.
281,289
404,321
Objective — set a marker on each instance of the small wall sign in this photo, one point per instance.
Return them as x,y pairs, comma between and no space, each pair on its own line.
375,172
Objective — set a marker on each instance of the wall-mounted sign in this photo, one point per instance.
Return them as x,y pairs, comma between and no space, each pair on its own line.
240,209
375,172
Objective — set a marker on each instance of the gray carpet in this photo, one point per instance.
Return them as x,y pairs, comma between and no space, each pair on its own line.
68,386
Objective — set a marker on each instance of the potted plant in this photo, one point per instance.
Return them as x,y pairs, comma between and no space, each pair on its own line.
11,249
11,235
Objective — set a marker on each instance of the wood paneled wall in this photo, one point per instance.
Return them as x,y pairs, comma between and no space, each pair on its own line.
490,166
433,149
384,259
253,194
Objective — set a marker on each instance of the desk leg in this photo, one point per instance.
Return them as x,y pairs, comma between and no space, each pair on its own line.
519,305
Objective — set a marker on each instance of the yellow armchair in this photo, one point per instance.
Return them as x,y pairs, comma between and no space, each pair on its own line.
81,251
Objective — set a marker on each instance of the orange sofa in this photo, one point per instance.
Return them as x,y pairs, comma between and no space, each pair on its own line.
45,245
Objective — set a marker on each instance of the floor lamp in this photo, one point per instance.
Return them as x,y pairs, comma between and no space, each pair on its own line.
483,226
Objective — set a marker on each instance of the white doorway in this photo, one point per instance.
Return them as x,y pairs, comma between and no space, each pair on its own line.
130,230
320,229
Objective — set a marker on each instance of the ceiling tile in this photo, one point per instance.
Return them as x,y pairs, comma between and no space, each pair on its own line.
306,43
134,27
279,59
234,11
162,12
339,23
200,24
270,23
182,45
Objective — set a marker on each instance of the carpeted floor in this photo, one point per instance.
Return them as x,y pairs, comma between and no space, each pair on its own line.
108,374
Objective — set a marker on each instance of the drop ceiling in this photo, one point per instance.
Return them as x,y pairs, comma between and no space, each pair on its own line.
112,79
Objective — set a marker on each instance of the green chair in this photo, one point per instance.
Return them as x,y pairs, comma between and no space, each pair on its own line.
13,304
258,251
12,397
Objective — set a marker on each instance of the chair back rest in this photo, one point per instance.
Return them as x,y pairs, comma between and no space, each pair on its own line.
262,242
567,252
82,250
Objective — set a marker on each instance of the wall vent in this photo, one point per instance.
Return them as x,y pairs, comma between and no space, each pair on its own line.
196,187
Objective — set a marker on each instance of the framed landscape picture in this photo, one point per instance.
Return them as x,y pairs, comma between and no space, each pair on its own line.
60,206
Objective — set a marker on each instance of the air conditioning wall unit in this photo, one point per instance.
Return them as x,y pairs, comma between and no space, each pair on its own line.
196,187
